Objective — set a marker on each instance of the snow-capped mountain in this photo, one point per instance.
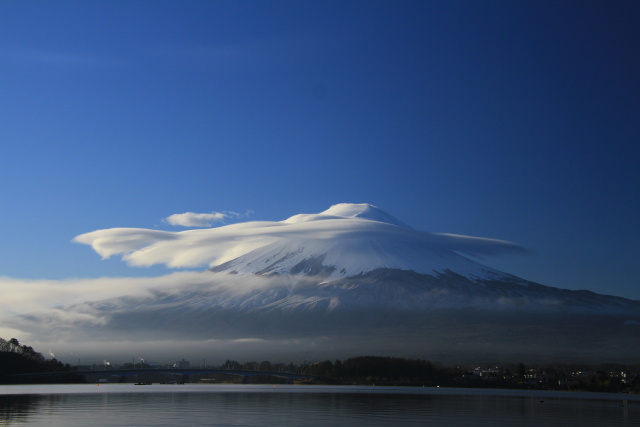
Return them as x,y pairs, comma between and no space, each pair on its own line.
357,239
356,279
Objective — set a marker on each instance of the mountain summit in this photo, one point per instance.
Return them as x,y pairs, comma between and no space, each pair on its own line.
353,239
350,210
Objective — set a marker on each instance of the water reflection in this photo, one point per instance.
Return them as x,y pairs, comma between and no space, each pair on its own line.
248,406
18,407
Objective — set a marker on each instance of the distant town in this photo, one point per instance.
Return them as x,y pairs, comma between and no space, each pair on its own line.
22,364
390,371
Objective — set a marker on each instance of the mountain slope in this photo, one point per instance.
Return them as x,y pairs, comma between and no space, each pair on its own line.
359,281
390,312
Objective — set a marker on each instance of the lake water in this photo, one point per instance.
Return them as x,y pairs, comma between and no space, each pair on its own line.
268,405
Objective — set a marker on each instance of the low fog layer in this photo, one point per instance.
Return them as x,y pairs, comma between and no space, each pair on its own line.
386,312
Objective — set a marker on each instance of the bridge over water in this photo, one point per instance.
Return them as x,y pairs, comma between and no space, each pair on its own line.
105,373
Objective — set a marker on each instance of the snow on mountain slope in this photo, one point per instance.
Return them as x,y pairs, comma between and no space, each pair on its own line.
351,256
370,239
377,291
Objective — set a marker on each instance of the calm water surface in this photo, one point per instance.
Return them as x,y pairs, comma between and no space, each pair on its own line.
261,405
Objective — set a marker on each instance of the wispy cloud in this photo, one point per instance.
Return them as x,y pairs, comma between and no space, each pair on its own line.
59,315
192,219
21,296
49,298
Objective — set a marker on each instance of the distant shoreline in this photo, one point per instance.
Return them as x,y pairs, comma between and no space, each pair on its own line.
30,389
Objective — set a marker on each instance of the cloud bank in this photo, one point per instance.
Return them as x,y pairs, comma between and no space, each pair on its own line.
20,296
73,317
63,302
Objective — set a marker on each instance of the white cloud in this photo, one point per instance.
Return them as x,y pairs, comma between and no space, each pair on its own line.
214,246
21,296
59,318
192,219
48,297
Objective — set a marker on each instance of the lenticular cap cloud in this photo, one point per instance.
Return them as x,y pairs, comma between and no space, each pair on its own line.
214,246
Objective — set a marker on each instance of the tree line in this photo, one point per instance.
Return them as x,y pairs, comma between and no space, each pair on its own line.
16,358
395,371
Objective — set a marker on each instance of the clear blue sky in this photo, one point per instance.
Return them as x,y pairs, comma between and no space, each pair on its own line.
503,119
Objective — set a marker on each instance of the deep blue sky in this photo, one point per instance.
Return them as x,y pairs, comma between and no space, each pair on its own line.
503,119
